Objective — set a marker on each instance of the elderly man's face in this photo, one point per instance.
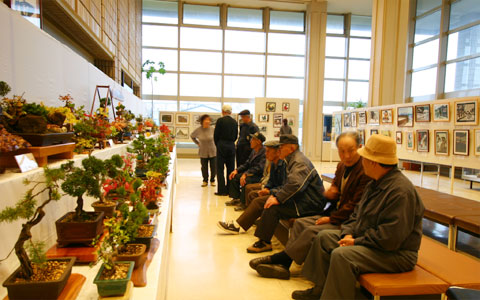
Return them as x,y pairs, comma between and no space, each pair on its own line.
347,150
246,119
368,167
272,154
254,142
286,150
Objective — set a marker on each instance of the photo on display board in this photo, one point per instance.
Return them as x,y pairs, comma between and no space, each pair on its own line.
373,131
441,112
277,120
362,118
270,107
398,137
263,118
373,117
353,119
405,116
386,133
387,116
196,120
166,118
422,140
346,120
477,141
263,129
286,106
466,112
361,135
422,113
182,133
337,120
460,142
183,119
276,133
291,120
410,140
441,142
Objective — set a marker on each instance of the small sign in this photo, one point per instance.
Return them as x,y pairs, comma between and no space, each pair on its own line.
110,141
26,162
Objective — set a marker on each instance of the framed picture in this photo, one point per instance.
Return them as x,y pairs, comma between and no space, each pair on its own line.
196,120
362,118
405,116
460,142
373,131
291,120
182,119
182,133
276,133
410,140
337,126
441,112
422,113
29,9
346,120
271,107
387,116
286,106
398,137
441,142
386,133
361,135
477,141
373,117
166,118
263,129
353,119
263,118
422,140
466,112
277,120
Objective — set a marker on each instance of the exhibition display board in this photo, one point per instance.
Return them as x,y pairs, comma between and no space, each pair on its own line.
269,113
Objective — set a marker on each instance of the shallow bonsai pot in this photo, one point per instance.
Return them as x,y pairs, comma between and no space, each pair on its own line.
132,257
106,209
146,240
140,172
114,287
40,289
79,232
47,139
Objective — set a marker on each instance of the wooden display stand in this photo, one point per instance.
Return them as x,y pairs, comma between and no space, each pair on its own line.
139,275
41,154
126,296
83,254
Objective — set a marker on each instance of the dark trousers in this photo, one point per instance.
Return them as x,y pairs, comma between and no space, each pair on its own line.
236,191
225,158
252,212
213,168
251,192
243,152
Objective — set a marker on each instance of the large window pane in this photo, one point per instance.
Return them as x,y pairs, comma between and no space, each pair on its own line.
360,48
361,26
199,38
244,64
165,85
424,82
359,69
464,43
334,68
464,75
200,106
285,20
168,57
244,87
357,91
207,62
159,36
158,107
425,5
245,17
425,54
335,24
464,12
200,85
427,26
286,66
285,88
239,106
201,15
160,12
335,46
244,41
333,90
285,43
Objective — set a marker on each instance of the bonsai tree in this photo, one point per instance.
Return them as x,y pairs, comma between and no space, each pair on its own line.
85,132
151,73
151,189
4,88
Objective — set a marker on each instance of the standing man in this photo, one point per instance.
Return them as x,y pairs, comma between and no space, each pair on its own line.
225,135
243,143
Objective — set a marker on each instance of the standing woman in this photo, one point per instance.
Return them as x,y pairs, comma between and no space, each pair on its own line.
203,137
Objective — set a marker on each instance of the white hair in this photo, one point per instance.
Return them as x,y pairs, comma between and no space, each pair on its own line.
227,109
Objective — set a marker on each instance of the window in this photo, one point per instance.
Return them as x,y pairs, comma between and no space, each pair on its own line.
445,60
289,21
201,15
245,18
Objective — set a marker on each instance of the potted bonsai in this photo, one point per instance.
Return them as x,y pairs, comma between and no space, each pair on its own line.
151,191
37,279
144,149
85,132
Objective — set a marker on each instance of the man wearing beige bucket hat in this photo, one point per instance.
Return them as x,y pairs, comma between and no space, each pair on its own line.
381,236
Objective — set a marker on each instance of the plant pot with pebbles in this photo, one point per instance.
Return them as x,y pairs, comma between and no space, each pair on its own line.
131,252
107,207
145,234
114,282
82,230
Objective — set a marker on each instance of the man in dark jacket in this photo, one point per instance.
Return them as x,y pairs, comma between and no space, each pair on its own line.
343,195
243,144
225,135
300,196
250,172
382,235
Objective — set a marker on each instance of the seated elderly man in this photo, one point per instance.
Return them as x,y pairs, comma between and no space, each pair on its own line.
382,235
249,172
300,196
343,195
276,179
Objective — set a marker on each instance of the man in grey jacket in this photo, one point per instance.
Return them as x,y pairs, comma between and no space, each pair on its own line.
300,196
382,235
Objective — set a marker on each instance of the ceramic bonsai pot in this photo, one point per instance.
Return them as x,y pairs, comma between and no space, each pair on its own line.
71,232
40,289
132,257
113,287
146,240
107,208
47,139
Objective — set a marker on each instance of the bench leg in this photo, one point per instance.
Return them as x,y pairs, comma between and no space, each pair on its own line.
452,237
376,297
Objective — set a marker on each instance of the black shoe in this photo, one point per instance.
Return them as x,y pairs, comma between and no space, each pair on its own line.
254,263
228,227
221,194
232,202
311,294
273,271
240,207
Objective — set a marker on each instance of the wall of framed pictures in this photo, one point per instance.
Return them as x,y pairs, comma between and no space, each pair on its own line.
444,132
271,111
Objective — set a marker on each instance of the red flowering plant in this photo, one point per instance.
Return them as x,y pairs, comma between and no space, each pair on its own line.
167,137
151,190
119,186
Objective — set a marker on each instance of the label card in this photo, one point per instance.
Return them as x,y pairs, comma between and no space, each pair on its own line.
110,141
26,162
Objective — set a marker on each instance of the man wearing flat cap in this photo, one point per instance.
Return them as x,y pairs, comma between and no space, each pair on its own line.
382,235
243,144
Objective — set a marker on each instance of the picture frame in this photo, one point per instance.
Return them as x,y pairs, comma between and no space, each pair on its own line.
361,135
461,141
263,118
398,137
386,133
373,131
270,107
346,120
476,134
166,118
441,142
422,113
387,116
362,118
423,142
182,133
410,138
405,116
373,117
286,106
196,120
337,125
277,120
441,112
466,112
291,120
276,133
353,119
182,119
31,10
262,129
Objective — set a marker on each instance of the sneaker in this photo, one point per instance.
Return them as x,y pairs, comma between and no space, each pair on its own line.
310,294
204,184
212,183
273,271
228,227
232,202
259,247
240,207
